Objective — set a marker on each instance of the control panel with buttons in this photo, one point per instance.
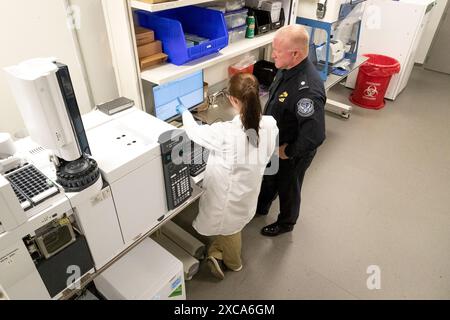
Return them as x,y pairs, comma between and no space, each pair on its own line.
176,169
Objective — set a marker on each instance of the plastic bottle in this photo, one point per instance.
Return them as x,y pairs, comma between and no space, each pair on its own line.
250,33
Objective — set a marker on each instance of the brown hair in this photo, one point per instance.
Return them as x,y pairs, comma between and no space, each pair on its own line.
245,88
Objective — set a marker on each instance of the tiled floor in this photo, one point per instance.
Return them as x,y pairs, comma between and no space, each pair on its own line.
378,193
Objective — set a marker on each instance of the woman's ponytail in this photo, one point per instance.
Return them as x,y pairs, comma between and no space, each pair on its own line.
245,88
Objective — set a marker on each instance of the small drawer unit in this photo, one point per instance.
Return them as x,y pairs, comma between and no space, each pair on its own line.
237,34
236,18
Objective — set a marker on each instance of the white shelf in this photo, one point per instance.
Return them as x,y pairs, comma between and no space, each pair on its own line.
164,5
168,72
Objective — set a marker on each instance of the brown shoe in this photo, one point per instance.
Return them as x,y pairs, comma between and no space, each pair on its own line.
215,268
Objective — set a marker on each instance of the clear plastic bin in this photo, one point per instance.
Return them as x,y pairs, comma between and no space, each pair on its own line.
229,5
217,8
236,34
236,19
232,5
254,3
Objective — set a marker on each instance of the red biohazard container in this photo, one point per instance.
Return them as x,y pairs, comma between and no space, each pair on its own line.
373,80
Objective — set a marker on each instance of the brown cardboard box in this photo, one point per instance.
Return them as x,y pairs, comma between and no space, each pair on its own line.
149,49
143,41
152,60
144,36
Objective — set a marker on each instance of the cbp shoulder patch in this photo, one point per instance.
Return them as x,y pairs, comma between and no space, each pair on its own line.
305,107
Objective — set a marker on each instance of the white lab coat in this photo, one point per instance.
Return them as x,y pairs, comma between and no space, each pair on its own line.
233,174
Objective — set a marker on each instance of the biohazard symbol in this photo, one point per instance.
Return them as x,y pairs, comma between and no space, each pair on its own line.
371,91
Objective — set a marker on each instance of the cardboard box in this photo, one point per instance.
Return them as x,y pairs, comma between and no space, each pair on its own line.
144,36
149,49
152,60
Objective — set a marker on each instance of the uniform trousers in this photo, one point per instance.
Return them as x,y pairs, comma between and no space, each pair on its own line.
287,184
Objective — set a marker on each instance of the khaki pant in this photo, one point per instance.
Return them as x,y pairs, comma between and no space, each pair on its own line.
227,249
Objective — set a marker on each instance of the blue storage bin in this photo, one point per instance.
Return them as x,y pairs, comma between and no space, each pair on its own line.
170,25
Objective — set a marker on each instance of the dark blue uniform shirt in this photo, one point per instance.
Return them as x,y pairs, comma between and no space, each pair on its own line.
297,102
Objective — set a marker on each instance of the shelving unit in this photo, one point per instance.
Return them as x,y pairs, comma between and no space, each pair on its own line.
130,80
165,5
168,72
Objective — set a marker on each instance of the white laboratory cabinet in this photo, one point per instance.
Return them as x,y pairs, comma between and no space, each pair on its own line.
128,153
394,29
148,272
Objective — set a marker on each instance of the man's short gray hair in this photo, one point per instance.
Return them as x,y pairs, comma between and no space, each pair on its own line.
296,37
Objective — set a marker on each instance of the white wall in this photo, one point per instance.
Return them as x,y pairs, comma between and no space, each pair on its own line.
30,29
96,52
427,37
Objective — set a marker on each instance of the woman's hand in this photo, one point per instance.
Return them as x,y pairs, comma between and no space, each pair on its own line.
180,107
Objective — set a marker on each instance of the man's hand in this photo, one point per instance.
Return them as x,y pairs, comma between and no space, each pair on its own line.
281,152
180,107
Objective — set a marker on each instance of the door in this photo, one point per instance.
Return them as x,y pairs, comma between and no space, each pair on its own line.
140,199
437,59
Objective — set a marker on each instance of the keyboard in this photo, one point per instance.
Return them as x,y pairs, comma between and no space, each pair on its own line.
199,157
196,169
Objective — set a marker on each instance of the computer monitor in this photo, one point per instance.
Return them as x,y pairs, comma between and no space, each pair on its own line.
188,88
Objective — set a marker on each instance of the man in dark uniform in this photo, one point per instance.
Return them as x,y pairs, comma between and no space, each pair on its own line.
296,101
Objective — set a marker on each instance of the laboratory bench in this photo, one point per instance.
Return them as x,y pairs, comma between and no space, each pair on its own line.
342,109
220,112
223,111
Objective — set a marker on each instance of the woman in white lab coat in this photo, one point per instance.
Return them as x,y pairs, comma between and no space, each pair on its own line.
239,151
